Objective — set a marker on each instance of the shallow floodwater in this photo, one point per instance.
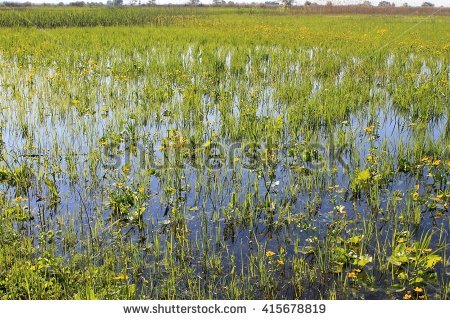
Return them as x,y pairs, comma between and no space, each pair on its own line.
115,136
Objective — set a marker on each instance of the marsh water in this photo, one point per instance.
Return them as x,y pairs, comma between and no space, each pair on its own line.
99,133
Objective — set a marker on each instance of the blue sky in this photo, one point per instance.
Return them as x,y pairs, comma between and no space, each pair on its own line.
397,2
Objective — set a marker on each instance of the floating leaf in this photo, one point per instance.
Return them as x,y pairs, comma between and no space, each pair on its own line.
397,287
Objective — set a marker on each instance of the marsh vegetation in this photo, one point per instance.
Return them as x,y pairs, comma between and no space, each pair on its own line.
225,155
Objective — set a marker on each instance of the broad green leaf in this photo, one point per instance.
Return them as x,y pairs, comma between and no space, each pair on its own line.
398,260
432,260
398,287
355,240
363,176
363,260
402,276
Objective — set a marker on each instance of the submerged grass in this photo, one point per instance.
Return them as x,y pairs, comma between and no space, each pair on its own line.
224,155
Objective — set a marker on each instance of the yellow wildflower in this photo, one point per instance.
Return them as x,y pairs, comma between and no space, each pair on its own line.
120,277
425,159
369,129
407,296
436,162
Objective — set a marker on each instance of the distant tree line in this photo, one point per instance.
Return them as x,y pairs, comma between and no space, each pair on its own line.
81,3
194,3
